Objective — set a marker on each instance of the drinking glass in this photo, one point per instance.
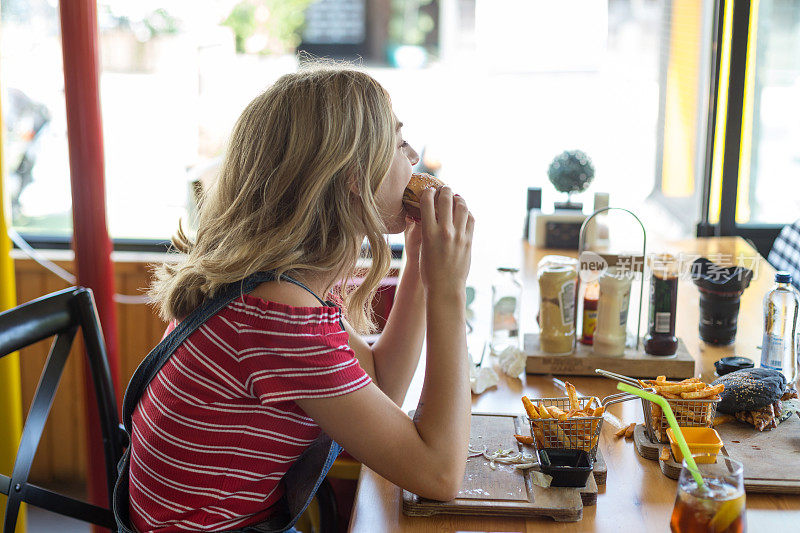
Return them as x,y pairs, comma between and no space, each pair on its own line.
718,506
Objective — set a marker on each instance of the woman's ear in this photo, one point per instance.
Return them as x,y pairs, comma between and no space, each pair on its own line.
354,188
352,181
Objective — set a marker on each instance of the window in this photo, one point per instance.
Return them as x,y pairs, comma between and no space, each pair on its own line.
35,150
753,188
490,92
769,178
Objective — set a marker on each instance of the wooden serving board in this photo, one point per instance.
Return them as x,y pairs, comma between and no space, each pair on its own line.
583,362
771,459
506,491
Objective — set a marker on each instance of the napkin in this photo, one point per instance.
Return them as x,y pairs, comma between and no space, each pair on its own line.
512,361
482,378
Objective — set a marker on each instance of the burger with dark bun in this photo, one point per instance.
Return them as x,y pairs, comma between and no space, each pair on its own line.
756,396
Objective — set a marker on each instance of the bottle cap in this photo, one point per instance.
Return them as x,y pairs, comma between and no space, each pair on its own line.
726,365
783,277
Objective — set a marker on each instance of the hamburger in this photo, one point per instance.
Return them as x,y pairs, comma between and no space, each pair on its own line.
419,182
755,396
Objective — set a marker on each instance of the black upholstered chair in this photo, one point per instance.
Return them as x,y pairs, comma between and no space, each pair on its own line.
59,315
785,252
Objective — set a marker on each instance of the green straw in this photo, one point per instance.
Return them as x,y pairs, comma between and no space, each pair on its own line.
676,431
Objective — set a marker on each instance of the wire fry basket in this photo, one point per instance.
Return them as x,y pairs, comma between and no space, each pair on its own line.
688,413
575,433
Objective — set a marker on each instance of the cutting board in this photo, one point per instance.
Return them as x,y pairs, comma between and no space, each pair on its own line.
771,459
583,362
506,491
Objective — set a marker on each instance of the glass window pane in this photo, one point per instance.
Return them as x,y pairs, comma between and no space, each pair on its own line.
35,148
769,186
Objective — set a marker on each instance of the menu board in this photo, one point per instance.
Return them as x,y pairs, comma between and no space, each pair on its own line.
336,22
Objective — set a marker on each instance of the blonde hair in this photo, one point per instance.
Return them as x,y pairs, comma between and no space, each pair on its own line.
284,199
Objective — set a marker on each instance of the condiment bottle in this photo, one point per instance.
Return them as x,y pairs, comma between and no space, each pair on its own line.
612,312
558,277
660,338
590,301
506,297
779,347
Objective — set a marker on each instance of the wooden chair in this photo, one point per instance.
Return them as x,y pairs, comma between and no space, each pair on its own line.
60,315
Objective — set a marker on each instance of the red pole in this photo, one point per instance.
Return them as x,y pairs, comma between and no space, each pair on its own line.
90,235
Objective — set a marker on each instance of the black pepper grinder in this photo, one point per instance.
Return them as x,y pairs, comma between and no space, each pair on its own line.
534,202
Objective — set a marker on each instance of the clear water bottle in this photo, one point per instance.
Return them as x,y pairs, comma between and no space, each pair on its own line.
779,347
506,297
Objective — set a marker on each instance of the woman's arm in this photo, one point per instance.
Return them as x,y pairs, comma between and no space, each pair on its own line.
393,359
396,352
426,455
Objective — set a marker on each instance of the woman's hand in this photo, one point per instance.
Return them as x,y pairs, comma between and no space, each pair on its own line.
413,235
447,229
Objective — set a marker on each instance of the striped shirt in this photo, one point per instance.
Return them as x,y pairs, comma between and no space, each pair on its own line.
218,426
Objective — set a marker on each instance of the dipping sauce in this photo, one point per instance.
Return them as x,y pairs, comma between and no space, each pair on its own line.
558,276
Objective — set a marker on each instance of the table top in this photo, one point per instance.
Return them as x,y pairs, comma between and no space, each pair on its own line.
637,495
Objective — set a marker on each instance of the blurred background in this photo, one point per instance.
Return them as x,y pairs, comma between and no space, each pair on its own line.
490,92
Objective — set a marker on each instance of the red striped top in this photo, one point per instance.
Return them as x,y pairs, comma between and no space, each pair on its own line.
218,426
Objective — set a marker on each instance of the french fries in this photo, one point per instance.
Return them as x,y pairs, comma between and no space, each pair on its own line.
534,414
722,419
539,435
706,392
523,439
679,387
681,396
565,425
665,453
656,414
573,396
629,430
543,412
529,407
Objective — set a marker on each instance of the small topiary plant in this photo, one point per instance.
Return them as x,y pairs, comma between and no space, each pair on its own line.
571,172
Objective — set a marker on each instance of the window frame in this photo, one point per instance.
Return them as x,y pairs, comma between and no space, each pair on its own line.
52,242
760,235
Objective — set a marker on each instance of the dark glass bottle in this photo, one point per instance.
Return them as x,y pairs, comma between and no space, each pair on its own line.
660,338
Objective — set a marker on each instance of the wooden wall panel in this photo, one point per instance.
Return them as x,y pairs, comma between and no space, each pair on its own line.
61,456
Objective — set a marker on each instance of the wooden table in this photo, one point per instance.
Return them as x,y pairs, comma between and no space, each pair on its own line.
637,496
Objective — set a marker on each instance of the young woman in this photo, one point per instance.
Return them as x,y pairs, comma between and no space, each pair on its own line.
315,164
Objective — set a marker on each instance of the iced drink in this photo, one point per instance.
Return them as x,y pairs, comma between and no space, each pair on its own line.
717,507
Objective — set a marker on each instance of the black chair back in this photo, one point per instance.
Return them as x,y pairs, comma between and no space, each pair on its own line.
60,315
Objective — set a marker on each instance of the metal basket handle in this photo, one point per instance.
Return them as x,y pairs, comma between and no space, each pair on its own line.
618,377
619,398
